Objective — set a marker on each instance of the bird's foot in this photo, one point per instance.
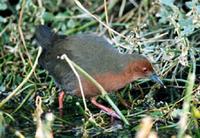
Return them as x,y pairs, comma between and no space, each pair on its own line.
107,110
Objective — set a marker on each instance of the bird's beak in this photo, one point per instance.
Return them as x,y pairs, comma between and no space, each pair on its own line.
154,77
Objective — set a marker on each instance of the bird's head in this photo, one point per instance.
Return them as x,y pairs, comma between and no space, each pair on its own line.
140,67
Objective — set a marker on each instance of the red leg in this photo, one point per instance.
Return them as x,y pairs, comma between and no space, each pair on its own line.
60,101
104,108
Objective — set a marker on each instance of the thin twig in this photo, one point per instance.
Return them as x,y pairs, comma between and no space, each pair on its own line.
21,33
106,17
96,18
39,3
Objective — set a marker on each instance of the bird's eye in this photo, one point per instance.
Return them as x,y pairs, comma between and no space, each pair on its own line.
144,69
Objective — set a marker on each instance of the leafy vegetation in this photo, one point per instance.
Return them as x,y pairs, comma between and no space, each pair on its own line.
165,31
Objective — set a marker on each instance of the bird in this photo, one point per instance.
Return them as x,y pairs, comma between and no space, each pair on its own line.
94,54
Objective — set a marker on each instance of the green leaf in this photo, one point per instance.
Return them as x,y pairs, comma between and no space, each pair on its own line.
198,8
156,114
189,4
71,23
163,14
3,20
187,30
169,3
3,5
186,26
185,21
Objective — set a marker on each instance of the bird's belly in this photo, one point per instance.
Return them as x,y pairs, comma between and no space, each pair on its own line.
109,81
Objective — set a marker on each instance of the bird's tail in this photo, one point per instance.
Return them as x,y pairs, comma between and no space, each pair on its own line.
45,36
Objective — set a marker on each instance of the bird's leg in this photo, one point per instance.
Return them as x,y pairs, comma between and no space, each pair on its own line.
60,101
107,110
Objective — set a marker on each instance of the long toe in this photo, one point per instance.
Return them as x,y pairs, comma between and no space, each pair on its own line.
111,113
107,110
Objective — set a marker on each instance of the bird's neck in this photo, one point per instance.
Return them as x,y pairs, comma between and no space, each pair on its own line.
129,74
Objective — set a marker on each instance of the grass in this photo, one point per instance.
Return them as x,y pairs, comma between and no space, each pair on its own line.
166,32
